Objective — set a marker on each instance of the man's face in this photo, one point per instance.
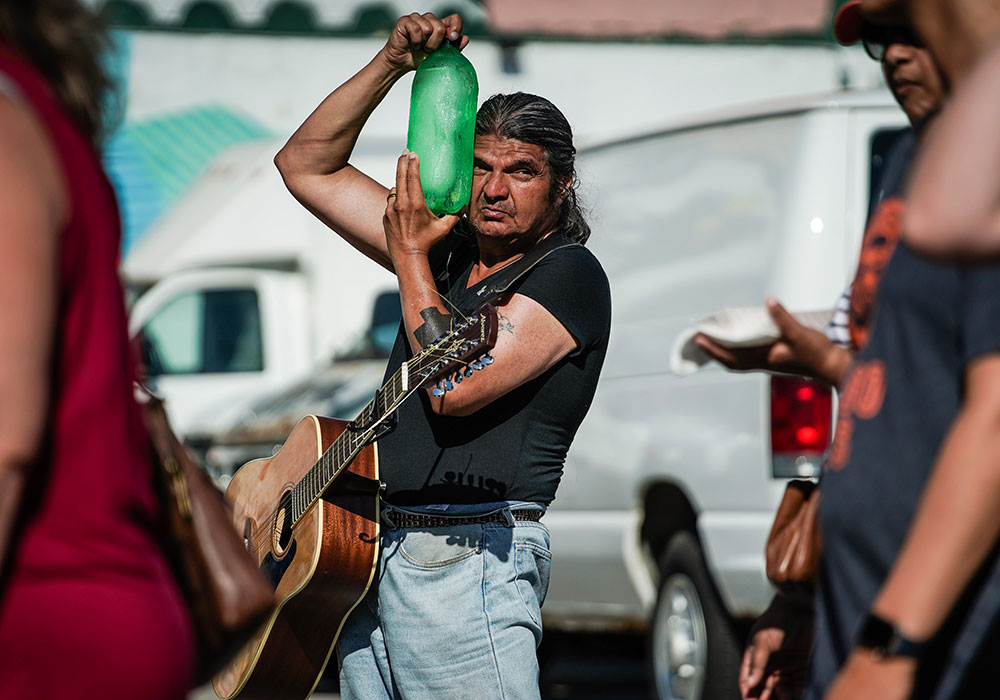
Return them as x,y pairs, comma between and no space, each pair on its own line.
511,184
913,78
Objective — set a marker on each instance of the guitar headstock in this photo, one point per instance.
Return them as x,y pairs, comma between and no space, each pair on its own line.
455,355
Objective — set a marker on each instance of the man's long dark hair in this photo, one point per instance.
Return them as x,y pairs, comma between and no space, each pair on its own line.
64,41
537,121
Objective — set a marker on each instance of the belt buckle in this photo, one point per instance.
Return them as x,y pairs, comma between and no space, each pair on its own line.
388,519
508,516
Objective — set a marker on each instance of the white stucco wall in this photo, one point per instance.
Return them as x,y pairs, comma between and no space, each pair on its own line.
603,88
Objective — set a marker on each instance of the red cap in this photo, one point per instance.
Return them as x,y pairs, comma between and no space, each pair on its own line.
848,22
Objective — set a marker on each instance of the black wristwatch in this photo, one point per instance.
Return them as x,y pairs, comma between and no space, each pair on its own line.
884,639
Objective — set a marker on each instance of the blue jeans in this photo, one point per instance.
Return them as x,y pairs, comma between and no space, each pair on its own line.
456,612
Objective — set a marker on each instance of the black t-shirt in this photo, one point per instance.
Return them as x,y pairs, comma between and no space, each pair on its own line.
514,448
897,403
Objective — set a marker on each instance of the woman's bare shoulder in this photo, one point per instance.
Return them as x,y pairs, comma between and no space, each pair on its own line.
29,167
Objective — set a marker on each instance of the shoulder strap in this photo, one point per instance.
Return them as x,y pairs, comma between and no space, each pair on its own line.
506,277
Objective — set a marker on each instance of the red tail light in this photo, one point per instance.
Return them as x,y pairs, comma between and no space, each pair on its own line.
801,420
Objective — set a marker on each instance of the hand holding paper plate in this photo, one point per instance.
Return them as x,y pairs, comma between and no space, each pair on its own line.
735,327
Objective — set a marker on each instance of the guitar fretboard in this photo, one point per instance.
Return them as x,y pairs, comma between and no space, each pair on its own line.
347,445
468,337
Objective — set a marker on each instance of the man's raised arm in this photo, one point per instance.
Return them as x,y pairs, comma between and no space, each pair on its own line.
314,162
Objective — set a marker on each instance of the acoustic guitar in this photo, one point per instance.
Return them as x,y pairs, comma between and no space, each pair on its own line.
309,515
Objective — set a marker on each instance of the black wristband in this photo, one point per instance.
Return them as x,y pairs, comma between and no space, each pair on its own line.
884,639
436,324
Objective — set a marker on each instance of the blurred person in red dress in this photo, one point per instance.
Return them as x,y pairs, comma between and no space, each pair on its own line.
88,606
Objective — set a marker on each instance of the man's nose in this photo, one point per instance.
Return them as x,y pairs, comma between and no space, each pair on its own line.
898,52
496,186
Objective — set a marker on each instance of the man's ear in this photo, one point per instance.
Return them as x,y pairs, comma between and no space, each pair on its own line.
564,188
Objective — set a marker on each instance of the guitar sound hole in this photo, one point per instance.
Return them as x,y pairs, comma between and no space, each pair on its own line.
282,534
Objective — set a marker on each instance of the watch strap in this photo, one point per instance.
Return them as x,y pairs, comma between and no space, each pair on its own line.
884,639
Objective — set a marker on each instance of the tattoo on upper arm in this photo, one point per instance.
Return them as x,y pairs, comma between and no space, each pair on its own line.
504,324
434,326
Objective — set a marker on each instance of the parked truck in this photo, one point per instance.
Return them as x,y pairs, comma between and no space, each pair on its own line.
242,291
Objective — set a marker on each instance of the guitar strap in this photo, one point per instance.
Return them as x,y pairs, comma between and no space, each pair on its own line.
505,278
501,282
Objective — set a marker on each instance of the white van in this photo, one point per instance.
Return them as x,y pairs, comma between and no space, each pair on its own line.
671,484
245,291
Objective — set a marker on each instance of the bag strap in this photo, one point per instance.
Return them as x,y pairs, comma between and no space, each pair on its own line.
505,278
10,89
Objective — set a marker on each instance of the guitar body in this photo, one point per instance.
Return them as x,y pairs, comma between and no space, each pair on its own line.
321,568
310,518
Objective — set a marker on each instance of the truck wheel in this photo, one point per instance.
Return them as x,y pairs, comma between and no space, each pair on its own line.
693,650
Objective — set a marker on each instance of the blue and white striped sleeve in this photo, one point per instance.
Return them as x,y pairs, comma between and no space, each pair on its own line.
836,330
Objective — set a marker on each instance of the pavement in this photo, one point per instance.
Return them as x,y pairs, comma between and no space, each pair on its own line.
573,667
206,693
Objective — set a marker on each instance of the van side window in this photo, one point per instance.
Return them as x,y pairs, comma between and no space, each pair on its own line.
205,332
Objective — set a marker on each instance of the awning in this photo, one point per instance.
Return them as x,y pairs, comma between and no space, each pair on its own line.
151,163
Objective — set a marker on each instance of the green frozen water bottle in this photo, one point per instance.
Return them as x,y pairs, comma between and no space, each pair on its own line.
443,126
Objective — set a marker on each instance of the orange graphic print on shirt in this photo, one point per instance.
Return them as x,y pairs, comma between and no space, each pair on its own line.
862,397
883,233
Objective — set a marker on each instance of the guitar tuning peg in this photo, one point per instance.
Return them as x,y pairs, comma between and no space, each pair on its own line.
467,371
458,377
487,359
448,386
437,390
476,364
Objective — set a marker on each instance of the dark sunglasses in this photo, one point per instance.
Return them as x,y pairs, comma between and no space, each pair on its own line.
877,39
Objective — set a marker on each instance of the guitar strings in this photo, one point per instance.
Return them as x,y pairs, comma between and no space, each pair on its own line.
448,302
262,537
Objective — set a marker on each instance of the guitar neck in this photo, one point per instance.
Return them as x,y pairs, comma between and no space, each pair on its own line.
347,445
470,337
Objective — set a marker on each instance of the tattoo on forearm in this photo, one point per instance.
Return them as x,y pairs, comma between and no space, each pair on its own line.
435,325
504,324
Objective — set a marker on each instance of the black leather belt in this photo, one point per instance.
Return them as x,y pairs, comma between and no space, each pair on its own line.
400,519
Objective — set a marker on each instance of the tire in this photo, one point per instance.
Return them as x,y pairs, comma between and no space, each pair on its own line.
693,649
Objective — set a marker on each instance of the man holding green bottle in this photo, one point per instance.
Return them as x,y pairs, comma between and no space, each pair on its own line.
455,611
